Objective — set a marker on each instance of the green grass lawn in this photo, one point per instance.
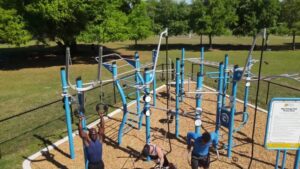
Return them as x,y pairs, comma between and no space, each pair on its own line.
32,79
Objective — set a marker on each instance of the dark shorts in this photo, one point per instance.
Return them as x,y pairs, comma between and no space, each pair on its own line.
98,165
166,161
200,161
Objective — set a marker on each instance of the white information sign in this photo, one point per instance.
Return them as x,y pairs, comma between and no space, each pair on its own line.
283,126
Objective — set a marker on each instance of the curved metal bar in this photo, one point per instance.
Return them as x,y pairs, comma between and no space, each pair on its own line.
165,32
263,32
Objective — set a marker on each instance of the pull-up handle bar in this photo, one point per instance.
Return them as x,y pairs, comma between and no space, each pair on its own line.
90,86
165,32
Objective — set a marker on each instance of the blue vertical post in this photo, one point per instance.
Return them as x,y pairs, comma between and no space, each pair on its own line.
236,74
67,111
199,88
137,82
154,79
81,113
198,102
123,98
182,74
147,106
219,101
297,160
177,96
246,92
225,80
283,159
277,159
201,62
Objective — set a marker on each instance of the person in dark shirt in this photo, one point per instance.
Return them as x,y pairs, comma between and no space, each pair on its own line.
93,141
201,145
156,154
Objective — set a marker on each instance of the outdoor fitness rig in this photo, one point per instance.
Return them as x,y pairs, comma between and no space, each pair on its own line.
225,114
111,65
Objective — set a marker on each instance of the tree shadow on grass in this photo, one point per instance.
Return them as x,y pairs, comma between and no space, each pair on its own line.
196,47
40,56
49,156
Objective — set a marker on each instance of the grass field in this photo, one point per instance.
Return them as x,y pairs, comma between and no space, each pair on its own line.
30,78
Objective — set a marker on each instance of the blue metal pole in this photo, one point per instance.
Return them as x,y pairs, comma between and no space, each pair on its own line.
177,96
137,82
247,86
147,106
232,110
182,74
225,81
67,112
198,102
202,60
81,113
199,88
154,79
297,160
283,159
219,101
277,159
123,98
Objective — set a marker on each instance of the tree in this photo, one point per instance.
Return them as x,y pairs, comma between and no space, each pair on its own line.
169,14
179,19
139,23
108,25
254,15
212,17
197,20
58,20
12,28
290,17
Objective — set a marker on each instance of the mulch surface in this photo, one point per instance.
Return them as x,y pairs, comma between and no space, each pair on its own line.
116,157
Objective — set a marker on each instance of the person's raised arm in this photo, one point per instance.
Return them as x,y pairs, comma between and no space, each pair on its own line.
82,133
101,127
160,155
190,139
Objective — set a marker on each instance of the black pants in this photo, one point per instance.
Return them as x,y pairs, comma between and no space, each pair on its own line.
98,165
200,161
166,161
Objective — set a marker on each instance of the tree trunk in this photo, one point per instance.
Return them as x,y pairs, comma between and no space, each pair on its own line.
267,41
135,43
294,39
201,40
210,41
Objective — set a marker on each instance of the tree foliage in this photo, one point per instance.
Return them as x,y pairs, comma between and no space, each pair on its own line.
290,19
108,25
13,28
212,17
254,15
169,14
58,20
139,23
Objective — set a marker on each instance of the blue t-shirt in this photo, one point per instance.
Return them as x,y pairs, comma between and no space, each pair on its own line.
199,148
94,151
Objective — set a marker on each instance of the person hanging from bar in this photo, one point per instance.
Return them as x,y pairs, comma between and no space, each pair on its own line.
93,142
156,154
201,145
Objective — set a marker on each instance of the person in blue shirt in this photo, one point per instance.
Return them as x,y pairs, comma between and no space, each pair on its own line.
201,145
93,141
